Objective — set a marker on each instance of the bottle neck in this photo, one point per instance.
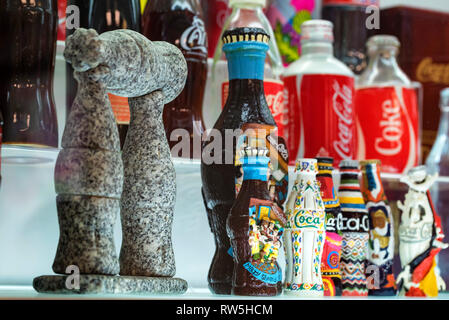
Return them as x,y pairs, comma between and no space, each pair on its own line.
443,128
371,177
323,48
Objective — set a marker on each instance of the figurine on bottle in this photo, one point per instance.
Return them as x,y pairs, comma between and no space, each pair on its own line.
420,238
355,227
245,49
381,238
254,226
305,233
330,261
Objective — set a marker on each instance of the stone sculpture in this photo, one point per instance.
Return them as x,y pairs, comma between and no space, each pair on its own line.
90,174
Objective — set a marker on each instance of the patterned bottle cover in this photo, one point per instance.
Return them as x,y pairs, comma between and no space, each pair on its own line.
330,260
354,227
305,232
381,238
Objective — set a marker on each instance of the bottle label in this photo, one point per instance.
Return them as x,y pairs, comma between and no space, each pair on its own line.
387,127
194,38
274,94
266,225
322,117
120,108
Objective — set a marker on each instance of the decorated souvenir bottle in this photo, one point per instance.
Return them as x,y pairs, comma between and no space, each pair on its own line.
245,50
305,233
254,226
381,238
420,238
266,135
330,260
354,227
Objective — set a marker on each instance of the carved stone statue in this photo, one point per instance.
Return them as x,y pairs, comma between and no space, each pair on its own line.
92,180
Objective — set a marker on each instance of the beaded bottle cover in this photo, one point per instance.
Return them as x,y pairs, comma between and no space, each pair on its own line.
354,227
381,238
305,233
330,260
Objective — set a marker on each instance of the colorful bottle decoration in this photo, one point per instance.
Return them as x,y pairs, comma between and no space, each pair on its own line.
420,237
245,49
305,233
354,226
258,135
381,238
254,226
330,260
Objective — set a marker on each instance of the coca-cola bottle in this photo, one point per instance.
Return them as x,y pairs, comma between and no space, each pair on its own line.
354,226
305,233
438,162
28,31
180,22
216,12
387,109
103,16
381,231
255,225
246,13
352,27
320,93
330,260
246,104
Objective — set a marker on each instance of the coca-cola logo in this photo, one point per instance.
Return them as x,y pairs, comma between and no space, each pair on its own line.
194,37
342,106
390,143
276,103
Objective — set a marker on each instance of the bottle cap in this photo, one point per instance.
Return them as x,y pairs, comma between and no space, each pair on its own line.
444,99
307,165
383,40
262,3
364,3
417,174
373,162
245,34
317,30
349,164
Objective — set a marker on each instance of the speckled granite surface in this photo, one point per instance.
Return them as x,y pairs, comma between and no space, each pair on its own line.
137,65
88,181
86,236
97,284
149,192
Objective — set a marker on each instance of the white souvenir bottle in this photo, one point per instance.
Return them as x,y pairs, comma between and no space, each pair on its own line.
305,233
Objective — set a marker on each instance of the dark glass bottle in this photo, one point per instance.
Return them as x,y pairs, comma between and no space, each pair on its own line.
330,261
246,103
350,30
255,225
103,16
181,23
28,31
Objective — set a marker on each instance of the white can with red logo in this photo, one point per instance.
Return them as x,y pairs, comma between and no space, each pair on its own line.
319,91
